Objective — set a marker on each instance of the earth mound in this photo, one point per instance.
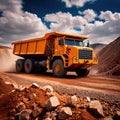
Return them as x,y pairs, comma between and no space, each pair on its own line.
109,58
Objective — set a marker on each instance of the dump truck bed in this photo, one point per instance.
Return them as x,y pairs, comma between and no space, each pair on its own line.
33,46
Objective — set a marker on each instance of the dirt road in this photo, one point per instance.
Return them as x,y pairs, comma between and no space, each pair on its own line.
92,86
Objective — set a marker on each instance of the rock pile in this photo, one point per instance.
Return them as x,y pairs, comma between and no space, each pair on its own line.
109,59
43,103
96,107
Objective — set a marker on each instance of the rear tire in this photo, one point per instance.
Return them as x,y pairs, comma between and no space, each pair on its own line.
82,72
58,68
20,65
29,65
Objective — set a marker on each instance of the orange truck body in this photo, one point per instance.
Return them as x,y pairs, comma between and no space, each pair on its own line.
56,49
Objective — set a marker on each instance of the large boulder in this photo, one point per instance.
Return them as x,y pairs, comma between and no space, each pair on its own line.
52,103
95,107
73,101
65,113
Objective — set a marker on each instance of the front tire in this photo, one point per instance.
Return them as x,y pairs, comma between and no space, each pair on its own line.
29,65
58,68
82,72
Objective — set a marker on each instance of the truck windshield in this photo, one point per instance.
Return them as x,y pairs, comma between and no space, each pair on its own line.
78,43
74,43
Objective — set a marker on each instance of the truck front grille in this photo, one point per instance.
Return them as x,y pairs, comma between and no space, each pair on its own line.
85,54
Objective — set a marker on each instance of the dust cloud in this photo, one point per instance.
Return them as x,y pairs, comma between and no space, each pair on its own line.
94,70
7,60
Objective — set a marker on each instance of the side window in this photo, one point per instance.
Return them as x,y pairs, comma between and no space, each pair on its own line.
61,42
69,42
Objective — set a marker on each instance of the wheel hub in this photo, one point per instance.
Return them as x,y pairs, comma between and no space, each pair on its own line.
28,66
57,68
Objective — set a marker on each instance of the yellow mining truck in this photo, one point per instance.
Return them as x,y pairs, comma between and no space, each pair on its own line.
56,51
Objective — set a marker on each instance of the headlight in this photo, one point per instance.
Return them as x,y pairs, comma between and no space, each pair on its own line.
75,59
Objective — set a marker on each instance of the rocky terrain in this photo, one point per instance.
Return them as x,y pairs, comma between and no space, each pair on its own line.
44,103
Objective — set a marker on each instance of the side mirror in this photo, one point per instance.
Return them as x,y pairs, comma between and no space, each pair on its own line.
88,43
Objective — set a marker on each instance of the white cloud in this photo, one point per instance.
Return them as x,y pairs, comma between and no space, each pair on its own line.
16,24
89,15
64,21
11,5
104,31
77,3
99,31
109,16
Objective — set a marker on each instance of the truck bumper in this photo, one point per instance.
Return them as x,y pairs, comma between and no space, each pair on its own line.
82,63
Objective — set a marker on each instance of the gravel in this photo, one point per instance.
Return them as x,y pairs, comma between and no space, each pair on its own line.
67,89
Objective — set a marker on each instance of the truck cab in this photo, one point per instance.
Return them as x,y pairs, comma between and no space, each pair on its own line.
72,54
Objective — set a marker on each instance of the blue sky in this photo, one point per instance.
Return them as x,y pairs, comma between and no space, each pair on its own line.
46,6
24,19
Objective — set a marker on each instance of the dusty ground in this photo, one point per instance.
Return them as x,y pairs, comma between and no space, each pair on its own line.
95,87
